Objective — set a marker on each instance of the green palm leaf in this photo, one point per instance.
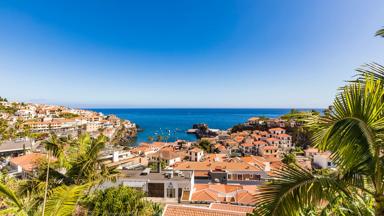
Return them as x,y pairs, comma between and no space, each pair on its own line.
295,189
380,33
63,200
8,194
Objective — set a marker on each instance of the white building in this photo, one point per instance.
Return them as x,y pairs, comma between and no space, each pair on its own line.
323,160
196,154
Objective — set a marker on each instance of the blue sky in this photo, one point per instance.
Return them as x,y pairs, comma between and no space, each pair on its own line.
198,53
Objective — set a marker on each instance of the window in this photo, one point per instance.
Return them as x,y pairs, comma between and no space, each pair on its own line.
171,192
240,177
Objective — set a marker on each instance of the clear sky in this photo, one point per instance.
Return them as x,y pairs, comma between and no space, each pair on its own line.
195,53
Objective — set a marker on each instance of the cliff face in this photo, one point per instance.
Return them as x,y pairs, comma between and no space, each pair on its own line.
124,136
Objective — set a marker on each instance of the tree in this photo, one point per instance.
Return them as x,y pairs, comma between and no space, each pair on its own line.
62,201
118,201
85,166
289,158
205,145
353,131
55,148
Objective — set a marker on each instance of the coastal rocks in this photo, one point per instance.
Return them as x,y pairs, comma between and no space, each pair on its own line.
203,131
125,136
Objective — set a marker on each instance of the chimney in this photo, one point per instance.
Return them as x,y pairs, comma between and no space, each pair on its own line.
267,166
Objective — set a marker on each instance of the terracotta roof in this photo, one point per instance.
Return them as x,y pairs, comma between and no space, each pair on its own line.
215,157
247,144
178,210
201,173
238,138
29,161
206,196
211,165
259,143
223,188
229,207
224,193
276,129
167,154
244,197
196,150
272,139
284,135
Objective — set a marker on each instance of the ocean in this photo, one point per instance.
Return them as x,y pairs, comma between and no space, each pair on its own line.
174,123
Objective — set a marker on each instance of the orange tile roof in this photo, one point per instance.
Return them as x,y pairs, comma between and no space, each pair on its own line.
223,188
211,165
247,144
206,196
217,157
259,143
272,139
229,207
29,161
238,138
255,160
196,150
276,129
178,210
224,193
244,197
284,135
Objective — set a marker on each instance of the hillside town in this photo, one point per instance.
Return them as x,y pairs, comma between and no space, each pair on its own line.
215,175
23,126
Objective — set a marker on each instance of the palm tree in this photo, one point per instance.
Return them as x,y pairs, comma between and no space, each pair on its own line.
380,32
85,166
353,130
54,148
62,201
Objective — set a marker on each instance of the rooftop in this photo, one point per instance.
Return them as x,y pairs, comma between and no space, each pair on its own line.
212,165
229,207
137,175
7,146
185,210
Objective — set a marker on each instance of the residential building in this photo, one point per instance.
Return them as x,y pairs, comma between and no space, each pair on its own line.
195,154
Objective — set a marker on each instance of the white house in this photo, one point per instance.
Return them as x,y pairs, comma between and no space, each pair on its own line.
196,154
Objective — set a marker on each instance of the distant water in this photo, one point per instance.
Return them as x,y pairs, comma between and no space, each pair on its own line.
175,122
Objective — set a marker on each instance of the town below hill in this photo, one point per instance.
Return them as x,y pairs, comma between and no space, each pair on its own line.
219,172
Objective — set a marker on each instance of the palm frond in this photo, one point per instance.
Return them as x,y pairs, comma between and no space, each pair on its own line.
371,69
350,130
380,33
293,190
63,200
6,193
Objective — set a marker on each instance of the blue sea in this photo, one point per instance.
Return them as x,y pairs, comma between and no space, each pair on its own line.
175,122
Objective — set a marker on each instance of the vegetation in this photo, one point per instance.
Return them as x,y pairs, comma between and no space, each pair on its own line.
154,165
353,131
53,192
380,32
205,145
12,131
68,115
289,158
119,201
